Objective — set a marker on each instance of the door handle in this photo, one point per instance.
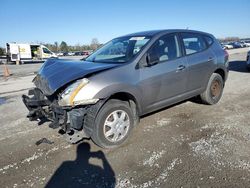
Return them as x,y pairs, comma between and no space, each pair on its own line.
181,67
210,59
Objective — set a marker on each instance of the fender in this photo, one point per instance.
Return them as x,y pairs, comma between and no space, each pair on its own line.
107,92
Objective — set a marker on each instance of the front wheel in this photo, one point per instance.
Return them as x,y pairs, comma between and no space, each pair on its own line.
112,124
214,90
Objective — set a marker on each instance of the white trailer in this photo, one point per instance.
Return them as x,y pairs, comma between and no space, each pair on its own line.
28,53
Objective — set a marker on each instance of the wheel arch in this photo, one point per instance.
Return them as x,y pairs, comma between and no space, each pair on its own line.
133,102
221,72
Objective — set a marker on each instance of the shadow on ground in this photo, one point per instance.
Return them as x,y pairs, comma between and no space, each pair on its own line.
238,66
81,173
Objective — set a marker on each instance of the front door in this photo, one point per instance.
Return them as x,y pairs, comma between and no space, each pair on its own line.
166,80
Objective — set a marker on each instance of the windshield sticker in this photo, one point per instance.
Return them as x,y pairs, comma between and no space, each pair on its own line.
137,38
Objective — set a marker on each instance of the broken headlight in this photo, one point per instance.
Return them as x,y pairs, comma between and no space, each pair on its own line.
68,95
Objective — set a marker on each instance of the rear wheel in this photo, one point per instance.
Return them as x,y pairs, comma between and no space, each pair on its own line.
214,90
113,124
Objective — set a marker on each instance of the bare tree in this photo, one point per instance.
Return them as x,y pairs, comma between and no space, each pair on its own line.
78,47
229,39
94,44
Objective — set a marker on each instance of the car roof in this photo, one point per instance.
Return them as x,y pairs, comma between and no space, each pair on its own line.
152,33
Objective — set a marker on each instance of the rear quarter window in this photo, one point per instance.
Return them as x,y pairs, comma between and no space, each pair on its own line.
193,43
209,40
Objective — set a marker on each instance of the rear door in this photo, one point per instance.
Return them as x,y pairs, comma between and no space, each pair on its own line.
25,51
13,51
165,80
200,60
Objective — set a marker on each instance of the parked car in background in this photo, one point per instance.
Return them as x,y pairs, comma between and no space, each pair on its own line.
227,46
78,53
236,44
103,97
245,43
248,61
86,53
59,53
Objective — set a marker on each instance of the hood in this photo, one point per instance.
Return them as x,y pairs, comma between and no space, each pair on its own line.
55,73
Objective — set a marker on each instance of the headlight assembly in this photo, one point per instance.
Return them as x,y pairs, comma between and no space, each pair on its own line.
68,95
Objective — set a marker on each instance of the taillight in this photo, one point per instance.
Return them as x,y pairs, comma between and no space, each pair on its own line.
226,55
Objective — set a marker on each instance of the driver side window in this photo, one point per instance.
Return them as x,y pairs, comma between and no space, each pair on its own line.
166,48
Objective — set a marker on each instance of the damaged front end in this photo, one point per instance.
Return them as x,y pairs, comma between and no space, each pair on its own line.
70,120
63,95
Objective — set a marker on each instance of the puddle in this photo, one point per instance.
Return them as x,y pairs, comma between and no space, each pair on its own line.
2,100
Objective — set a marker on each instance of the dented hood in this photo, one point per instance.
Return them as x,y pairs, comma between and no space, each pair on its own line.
56,73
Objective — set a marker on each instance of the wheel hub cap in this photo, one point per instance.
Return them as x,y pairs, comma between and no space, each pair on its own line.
215,88
116,126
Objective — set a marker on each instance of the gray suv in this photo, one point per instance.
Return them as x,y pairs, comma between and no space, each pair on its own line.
103,96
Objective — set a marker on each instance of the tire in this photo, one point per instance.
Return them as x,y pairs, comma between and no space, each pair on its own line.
248,68
214,90
111,110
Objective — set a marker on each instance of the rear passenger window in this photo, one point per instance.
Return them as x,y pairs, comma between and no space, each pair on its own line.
193,43
166,48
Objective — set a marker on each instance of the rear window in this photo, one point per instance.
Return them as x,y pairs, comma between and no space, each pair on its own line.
193,43
209,40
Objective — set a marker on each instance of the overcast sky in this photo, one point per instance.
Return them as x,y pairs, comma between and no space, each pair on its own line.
78,21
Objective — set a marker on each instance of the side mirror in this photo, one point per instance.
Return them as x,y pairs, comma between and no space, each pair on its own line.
152,59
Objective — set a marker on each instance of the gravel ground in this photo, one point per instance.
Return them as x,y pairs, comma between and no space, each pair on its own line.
186,145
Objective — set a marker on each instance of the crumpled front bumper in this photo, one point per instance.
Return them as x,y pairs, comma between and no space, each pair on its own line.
42,109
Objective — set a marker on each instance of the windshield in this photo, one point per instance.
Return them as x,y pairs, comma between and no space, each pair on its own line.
119,50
